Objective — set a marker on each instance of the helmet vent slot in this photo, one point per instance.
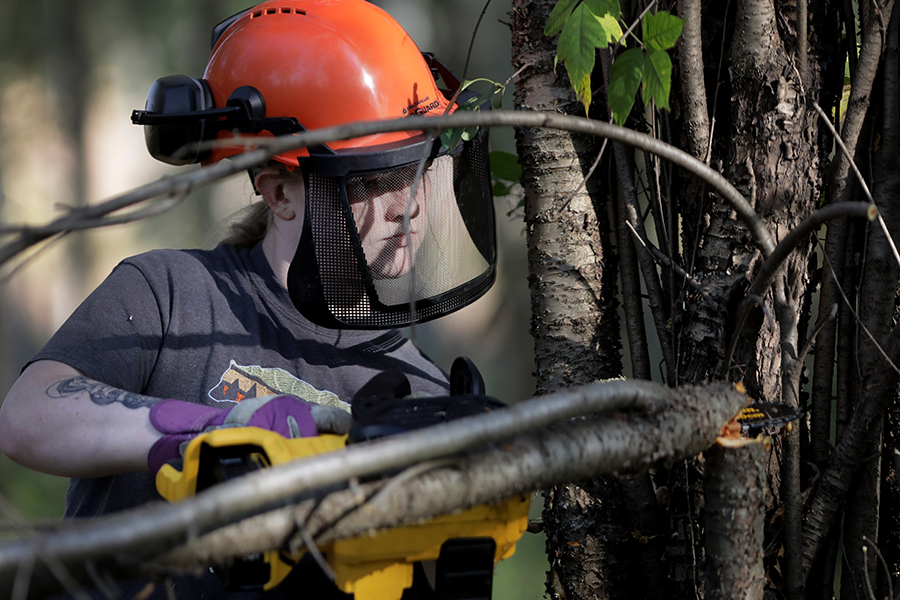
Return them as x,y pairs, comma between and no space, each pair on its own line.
285,10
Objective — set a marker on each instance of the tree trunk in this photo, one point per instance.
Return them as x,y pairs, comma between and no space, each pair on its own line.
574,322
767,142
735,514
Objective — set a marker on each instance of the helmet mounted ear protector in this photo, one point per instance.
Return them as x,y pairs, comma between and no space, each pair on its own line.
358,265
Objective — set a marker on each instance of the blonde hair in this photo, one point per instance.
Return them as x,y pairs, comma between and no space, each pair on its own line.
249,226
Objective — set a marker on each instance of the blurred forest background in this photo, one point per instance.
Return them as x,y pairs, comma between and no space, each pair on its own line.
71,72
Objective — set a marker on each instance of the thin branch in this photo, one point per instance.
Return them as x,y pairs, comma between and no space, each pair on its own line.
632,27
803,230
850,33
664,260
317,555
844,150
40,251
472,40
831,316
629,276
825,501
629,212
266,149
859,322
867,580
25,566
883,563
803,42
773,262
720,62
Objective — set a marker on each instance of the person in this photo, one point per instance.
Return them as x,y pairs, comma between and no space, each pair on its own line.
302,301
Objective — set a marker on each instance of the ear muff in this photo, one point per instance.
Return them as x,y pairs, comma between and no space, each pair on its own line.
180,114
172,139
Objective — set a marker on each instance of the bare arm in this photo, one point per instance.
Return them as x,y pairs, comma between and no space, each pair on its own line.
57,421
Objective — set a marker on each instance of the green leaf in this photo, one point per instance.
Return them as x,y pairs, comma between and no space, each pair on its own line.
583,92
505,166
582,34
499,189
657,78
661,30
611,27
604,7
624,81
450,138
558,17
607,13
520,205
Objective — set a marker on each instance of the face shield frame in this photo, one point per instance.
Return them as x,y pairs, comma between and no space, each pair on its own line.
330,280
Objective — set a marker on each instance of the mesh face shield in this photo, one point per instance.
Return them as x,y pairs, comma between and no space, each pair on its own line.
382,248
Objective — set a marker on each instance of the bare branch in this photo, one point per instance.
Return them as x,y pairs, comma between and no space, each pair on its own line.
883,563
769,270
266,149
676,423
692,80
823,504
664,260
859,177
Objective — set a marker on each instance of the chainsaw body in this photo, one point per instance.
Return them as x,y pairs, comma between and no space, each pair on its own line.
465,544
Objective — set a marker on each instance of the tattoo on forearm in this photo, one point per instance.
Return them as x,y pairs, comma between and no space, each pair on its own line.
99,393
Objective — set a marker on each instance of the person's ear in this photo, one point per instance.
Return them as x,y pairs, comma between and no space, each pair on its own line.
270,182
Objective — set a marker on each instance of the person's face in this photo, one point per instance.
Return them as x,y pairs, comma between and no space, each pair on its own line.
379,203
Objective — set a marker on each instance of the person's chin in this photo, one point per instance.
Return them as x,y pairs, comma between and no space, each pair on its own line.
397,268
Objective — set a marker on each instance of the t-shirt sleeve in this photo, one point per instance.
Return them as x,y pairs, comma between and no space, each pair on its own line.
115,335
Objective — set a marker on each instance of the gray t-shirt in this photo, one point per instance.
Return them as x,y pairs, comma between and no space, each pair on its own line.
213,327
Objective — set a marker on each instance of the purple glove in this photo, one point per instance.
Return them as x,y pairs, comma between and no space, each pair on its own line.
180,422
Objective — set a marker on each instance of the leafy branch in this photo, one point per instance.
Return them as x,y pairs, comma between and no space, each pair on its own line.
649,67
593,25
583,29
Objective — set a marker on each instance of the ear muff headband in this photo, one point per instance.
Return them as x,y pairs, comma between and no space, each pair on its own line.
180,114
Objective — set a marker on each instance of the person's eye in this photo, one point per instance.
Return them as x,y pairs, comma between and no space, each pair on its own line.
361,189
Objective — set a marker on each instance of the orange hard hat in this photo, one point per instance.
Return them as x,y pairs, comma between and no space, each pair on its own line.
398,229
323,63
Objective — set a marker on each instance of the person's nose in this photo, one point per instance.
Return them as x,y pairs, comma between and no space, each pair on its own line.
396,205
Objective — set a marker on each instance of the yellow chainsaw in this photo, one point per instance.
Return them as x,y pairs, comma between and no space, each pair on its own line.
465,545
